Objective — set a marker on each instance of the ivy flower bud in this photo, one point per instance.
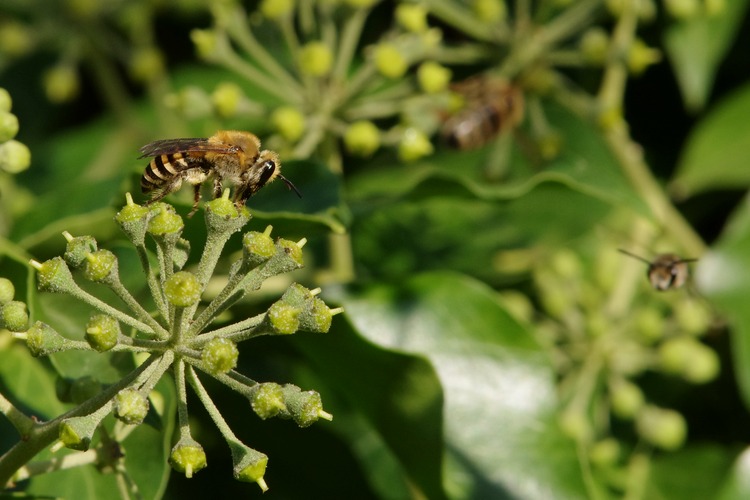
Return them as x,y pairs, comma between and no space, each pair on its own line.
207,44
165,222
100,266
131,406
316,59
102,332
283,317
276,9
14,316
362,4
317,317
223,218
54,275
193,102
293,253
61,83
78,248
15,157
42,339
641,56
682,9
686,357
412,17
6,102
389,61
76,433
257,248
8,126
183,289
249,464
187,457
605,453
267,400
414,145
362,138
7,291
490,11
132,220
84,388
661,427
626,399
219,355
226,98
433,77
289,122
146,64
305,407
594,45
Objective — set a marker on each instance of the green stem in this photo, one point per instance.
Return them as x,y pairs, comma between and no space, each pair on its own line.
235,331
78,293
211,408
156,290
453,14
348,45
122,292
238,65
22,423
182,408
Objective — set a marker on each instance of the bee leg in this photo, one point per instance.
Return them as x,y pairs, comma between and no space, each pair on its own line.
196,199
217,187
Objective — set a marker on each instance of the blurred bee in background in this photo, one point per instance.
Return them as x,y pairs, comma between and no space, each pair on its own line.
667,271
492,105
229,155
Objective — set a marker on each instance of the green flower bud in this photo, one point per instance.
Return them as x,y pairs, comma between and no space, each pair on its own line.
249,465
605,453
166,221
84,388
304,407
490,11
6,102
594,45
183,289
575,425
187,457
7,291
661,427
362,4
362,138
133,220
54,275
14,316
8,126
292,250
566,264
267,400
226,98
146,64
42,340
626,399
682,9
100,266
78,249
222,216
76,433
276,9
61,83
390,61
102,332
15,157
219,355
16,39
193,102
283,318
316,59
649,324
289,122
692,316
641,56
433,77
703,367
414,145
131,406
686,357
412,17
208,46
257,248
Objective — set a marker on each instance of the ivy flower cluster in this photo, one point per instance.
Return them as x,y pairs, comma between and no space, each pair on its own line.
180,337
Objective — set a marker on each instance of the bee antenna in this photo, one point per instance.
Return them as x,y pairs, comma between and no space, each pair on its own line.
289,185
633,255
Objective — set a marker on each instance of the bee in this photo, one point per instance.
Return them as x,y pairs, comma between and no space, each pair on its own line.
228,155
667,271
492,105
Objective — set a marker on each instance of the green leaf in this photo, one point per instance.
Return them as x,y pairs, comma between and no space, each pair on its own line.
694,473
723,277
499,410
716,155
29,382
737,485
696,47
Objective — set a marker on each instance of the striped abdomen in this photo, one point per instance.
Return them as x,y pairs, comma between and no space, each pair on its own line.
164,170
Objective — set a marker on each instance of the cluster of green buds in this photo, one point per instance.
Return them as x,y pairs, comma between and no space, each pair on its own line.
15,157
173,329
326,87
605,326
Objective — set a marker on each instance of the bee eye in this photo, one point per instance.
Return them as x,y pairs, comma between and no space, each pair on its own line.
268,169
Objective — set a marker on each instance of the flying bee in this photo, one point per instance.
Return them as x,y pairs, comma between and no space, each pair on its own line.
667,271
228,155
492,105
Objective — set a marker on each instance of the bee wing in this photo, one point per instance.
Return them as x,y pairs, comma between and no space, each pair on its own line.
189,145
